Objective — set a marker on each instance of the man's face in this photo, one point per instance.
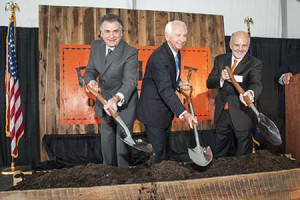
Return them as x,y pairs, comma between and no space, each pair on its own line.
239,45
177,38
111,33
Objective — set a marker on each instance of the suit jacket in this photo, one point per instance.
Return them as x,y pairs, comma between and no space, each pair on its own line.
158,102
250,68
290,63
118,74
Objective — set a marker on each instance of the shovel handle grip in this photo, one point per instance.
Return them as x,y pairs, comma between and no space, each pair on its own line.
100,97
187,94
237,86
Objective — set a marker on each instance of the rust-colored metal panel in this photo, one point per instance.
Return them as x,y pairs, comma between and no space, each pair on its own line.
292,117
76,105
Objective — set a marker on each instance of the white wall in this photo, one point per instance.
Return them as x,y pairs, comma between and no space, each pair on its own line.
267,14
293,15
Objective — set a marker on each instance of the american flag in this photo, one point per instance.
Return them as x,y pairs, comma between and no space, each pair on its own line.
14,118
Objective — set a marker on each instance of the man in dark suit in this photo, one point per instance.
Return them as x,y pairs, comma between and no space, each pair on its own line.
233,118
290,66
158,101
114,62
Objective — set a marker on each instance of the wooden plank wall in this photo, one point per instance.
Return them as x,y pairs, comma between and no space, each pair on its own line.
80,25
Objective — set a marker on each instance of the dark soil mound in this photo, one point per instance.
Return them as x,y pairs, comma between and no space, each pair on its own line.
97,174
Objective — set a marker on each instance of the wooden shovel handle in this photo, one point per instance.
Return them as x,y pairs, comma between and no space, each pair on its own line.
113,113
237,86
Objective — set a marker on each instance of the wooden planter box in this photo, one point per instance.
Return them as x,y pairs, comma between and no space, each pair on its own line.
270,185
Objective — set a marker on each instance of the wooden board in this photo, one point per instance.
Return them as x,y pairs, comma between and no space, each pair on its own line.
292,117
276,185
80,25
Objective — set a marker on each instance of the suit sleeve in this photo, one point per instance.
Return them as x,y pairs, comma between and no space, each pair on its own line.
213,80
129,80
284,68
160,73
255,83
90,71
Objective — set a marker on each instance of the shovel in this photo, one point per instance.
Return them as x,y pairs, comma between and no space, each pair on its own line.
137,144
266,127
200,155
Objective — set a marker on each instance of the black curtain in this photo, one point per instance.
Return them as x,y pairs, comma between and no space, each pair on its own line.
269,50
27,62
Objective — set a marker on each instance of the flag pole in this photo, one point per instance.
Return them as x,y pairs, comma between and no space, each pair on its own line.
12,169
248,21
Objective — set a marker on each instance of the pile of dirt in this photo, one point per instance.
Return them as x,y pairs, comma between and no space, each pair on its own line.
98,174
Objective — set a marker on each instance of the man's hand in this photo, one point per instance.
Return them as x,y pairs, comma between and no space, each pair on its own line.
184,85
93,84
111,103
249,95
190,119
286,78
225,76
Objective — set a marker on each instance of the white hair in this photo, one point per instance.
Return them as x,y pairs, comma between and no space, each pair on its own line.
168,28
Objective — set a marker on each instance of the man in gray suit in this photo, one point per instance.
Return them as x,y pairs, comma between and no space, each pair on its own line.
233,118
114,62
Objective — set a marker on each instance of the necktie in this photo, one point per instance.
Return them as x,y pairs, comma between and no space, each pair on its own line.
234,65
108,54
232,70
177,66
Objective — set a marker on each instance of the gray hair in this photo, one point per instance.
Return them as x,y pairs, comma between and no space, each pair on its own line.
111,18
168,28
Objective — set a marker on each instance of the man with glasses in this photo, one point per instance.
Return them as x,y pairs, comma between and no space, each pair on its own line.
115,63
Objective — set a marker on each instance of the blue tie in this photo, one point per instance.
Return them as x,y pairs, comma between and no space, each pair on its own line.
177,66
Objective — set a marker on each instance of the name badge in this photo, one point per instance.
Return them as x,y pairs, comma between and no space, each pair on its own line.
238,78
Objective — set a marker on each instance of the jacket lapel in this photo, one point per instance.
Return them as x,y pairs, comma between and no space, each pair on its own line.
101,53
172,60
242,64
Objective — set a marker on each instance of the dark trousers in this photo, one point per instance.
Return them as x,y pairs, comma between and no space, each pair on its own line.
159,139
227,138
114,151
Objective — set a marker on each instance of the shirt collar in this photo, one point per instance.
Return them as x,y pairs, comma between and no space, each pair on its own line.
237,60
106,51
174,53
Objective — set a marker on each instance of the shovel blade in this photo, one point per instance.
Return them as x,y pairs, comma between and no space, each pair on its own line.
137,144
202,156
269,130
